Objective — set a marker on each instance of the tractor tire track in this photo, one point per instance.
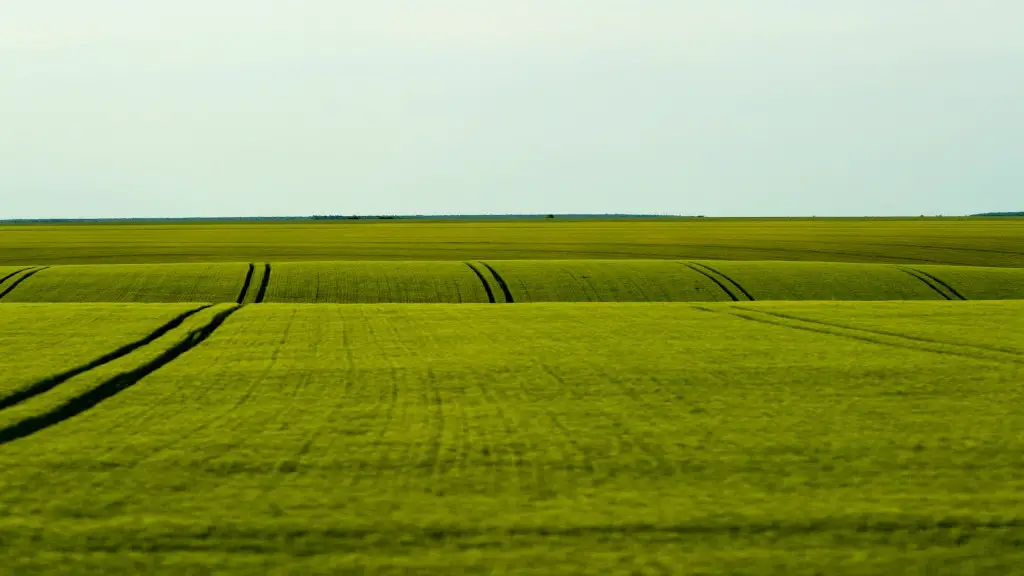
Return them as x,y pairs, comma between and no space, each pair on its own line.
264,283
1016,355
940,282
245,286
913,274
52,382
728,279
865,337
501,283
487,287
113,386
713,279
12,275
18,282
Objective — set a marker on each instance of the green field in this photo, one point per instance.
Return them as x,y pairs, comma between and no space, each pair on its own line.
509,281
524,397
997,242
552,438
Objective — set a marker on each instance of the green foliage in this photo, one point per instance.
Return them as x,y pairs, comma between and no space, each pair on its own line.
552,438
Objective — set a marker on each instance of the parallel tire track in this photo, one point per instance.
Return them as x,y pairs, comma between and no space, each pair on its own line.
939,281
52,382
487,287
263,285
113,386
1019,357
501,283
924,280
729,280
13,274
245,286
713,279
899,342
18,282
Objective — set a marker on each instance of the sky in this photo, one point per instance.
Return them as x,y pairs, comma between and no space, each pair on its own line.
120,108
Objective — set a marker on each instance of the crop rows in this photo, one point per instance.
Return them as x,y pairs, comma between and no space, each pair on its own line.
508,281
612,438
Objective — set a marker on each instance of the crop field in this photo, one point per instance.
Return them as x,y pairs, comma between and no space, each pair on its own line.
552,438
996,242
579,397
508,281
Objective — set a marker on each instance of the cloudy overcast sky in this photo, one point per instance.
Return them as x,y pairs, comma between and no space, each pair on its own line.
120,108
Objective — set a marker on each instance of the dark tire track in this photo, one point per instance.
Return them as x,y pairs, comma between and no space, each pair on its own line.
245,286
13,274
264,283
1017,353
914,273
18,282
713,279
940,282
52,382
487,287
501,283
730,280
113,386
865,336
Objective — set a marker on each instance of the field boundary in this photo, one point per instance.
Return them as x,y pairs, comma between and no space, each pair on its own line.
18,282
113,386
245,286
712,273
51,382
941,282
501,284
487,287
264,284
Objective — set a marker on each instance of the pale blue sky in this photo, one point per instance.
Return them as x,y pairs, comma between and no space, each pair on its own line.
116,108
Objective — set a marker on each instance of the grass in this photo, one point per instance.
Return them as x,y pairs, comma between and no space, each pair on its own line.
552,438
975,242
373,282
133,283
978,283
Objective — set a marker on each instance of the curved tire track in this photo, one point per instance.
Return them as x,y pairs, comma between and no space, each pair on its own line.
113,386
501,283
18,282
487,287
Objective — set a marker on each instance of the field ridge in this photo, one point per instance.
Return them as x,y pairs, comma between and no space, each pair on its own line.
487,287
18,282
114,385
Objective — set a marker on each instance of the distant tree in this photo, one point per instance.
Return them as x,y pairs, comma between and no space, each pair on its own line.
550,216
